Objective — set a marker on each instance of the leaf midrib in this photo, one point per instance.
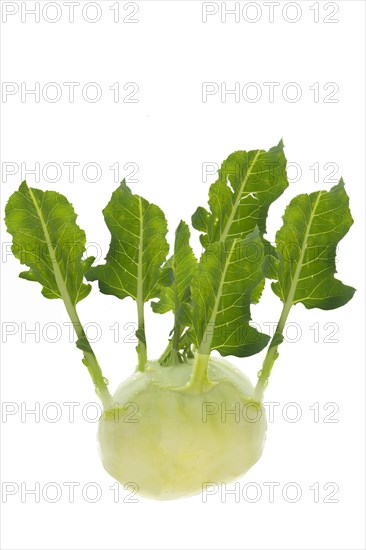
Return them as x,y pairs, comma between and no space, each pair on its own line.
290,297
205,345
140,297
61,284
238,199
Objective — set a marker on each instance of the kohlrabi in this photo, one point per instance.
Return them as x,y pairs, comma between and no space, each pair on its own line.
189,418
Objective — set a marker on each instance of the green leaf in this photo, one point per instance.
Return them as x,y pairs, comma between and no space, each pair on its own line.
87,263
140,335
277,339
137,250
221,295
270,266
183,264
239,200
47,239
258,291
83,344
166,277
307,243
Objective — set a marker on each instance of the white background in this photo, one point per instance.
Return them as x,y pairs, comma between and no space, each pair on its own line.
169,133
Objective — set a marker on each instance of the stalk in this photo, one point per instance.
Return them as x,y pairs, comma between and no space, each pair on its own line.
199,381
177,328
90,360
166,353
141,348
171,352
175,341
272,353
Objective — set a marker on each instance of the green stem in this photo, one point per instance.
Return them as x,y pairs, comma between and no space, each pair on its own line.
165,353
272,353
90,360
141,348
175,342
172,349
177,327
199,381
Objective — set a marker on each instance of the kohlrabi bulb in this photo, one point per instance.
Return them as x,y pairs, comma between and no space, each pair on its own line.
170,443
